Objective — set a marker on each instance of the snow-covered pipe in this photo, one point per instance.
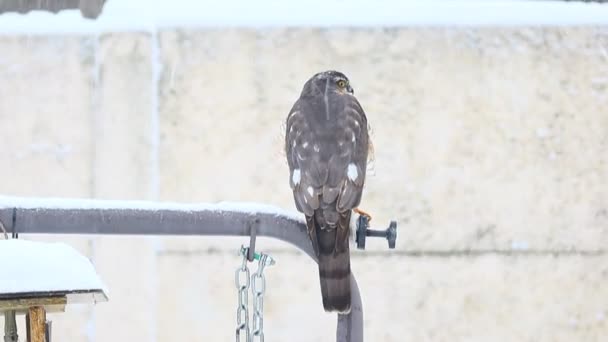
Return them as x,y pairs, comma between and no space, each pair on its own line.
85,216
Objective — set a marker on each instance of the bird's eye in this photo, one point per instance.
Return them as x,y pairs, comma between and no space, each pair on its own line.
342,83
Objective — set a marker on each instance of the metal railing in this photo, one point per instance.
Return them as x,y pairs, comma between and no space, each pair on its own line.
56,216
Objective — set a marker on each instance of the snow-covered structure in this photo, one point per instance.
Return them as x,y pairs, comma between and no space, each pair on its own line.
39,277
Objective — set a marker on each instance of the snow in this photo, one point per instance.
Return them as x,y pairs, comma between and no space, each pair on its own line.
81,203
129,15
32,266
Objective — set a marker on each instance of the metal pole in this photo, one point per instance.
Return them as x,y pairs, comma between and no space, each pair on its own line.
54,216
10,327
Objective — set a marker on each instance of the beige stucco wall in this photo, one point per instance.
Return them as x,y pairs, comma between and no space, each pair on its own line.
491,152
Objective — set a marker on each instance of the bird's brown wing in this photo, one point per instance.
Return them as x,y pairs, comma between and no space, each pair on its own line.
327,160
327,148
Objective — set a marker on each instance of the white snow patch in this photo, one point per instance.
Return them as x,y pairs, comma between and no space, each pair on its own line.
352,172
310,191
305,144
31,266
76,203
295,178
133,15
316,148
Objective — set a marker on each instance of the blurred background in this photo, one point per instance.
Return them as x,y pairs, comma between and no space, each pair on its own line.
490,127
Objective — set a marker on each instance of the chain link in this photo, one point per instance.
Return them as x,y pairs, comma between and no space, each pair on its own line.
258,289
241,280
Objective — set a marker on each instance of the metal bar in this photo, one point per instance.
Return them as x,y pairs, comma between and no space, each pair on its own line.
50,218
10,327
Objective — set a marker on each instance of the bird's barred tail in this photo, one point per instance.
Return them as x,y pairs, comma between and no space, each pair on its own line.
334,265
334,274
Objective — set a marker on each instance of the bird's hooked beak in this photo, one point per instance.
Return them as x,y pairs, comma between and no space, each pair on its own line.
350,89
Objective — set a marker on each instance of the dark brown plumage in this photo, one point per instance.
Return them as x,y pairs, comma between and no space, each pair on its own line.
326,145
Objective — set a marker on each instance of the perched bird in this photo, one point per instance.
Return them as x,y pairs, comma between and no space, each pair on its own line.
326,145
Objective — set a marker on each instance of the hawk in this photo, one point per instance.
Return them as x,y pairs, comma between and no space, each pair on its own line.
326,144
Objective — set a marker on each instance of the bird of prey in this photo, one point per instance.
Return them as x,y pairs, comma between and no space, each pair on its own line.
326,145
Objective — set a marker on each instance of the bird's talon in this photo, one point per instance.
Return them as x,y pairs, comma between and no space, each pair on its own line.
363,213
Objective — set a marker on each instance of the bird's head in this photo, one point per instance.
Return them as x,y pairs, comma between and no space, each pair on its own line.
330,80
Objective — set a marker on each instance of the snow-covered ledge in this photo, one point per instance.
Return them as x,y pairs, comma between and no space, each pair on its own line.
84,203
92,216
32,269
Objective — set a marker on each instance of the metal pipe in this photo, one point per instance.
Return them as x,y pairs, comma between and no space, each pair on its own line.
10,327
53,216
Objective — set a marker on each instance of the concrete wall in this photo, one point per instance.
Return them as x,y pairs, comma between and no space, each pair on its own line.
491,151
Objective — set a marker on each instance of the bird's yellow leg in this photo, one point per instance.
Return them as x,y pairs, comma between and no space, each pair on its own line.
363,213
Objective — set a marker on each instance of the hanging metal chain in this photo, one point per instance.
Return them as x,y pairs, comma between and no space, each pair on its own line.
258,282
241,280
258,289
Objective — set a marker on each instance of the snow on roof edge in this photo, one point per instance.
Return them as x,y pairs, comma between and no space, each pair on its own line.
272,13
36,266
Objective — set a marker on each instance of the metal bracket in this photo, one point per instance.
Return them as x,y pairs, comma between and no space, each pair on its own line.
15,235
252,236
363,231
